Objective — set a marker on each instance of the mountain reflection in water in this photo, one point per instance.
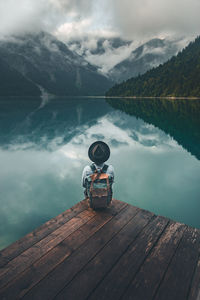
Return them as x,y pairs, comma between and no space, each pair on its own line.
44,144
180,117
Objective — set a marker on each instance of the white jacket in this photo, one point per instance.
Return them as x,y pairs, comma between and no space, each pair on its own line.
87,172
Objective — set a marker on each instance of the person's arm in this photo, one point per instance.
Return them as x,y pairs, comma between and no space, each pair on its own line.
86,172
83,177
110,172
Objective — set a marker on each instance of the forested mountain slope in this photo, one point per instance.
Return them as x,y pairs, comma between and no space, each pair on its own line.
149,55
178,77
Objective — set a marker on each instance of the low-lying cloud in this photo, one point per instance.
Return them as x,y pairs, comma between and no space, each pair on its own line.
82,23
110,57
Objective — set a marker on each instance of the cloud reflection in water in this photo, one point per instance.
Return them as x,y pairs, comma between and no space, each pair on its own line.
152,172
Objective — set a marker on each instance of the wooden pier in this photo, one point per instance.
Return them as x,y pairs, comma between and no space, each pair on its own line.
122,252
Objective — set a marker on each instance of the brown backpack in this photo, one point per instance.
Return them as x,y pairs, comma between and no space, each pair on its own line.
100,192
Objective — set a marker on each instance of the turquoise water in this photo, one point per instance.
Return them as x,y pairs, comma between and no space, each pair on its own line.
155,151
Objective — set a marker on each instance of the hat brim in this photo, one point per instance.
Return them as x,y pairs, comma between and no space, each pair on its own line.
106,151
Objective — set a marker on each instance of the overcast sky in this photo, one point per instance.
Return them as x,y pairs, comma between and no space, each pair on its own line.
72,19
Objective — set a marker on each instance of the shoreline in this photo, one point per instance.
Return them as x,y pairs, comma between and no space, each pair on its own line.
166,97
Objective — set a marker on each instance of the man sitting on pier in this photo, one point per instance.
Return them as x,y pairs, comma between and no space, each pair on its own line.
98,178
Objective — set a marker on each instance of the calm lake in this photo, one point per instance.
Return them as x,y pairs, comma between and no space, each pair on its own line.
155,151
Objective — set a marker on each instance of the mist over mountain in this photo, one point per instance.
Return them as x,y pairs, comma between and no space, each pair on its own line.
144,58
97,46
49,64
78,67
179,77
122,59
101,40
102,52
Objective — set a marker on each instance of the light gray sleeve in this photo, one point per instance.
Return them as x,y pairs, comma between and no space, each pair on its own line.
86,172
110,171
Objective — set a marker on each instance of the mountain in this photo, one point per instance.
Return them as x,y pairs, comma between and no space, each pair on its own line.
50,65
144,58
12,83
120,59
178,77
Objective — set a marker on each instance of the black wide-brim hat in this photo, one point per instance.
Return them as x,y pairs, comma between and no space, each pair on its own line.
99,152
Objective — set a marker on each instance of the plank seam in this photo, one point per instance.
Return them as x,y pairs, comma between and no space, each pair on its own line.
29,266
152,218
42,237
190,286
44,253
122,208
151,250
96,253
165,272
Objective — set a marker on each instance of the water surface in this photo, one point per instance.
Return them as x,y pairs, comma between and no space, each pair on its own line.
155,150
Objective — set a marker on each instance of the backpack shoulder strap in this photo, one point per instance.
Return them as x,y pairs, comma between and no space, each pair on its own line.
105,168
93,168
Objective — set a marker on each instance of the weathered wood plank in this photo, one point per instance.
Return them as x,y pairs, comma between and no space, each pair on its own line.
85,281
24,260
39,233
117,280
31,276
119,253
152,271
194,293
178,277
57,279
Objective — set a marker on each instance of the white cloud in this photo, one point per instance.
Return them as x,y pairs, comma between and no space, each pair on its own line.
131,19
110,57
34,15
73,30
87,21
148,18
26,15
